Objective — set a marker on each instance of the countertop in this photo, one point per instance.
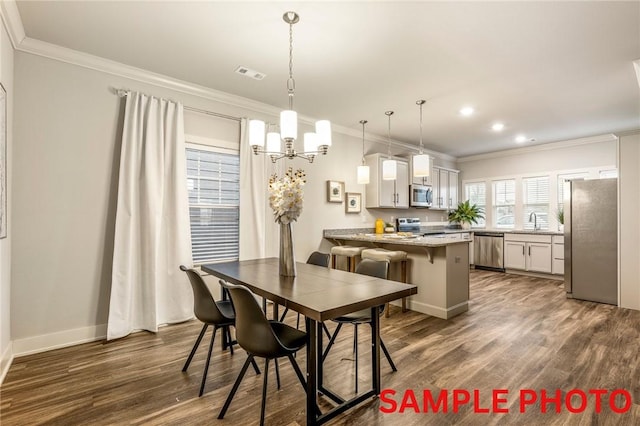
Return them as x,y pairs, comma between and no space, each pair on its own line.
439,241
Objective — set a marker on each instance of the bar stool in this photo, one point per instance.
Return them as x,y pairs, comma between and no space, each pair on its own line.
351,253
392,257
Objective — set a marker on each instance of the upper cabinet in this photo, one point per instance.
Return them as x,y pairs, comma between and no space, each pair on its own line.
421,180
445,188
387,193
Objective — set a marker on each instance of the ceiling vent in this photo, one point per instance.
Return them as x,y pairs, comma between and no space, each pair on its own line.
248,72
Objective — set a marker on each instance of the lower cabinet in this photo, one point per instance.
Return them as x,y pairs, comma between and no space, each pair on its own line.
527,252
557,262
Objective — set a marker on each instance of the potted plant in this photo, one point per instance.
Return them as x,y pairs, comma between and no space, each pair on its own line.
466,214
560,217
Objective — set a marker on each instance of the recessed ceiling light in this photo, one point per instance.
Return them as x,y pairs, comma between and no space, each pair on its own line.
497,127
521,138
466,111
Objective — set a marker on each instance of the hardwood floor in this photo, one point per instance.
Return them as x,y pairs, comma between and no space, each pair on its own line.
520,333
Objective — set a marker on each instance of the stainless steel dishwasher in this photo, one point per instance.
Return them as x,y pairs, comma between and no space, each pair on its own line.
488,250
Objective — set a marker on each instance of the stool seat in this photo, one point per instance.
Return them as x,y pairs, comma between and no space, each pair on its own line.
348,251
382,254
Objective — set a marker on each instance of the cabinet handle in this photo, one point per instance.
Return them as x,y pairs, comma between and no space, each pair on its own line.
523,250
529,250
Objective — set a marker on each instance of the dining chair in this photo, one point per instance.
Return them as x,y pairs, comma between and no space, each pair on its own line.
210,312
373,268
316,258
261,338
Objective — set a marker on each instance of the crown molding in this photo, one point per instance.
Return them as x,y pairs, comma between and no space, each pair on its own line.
96,63
12,22
609,137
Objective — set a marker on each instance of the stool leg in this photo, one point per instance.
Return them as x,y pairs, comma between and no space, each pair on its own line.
404,280
333,261
352,264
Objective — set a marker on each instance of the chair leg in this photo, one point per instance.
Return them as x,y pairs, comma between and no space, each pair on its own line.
277,372
326,330
331,342
227,331
195,346
206,365
225,407
284,314
386,353
355,347
255,366
298,322
264,390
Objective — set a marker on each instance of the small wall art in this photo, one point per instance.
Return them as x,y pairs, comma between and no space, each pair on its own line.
354,202
335,191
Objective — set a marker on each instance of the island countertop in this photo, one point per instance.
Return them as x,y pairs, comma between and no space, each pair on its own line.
400,239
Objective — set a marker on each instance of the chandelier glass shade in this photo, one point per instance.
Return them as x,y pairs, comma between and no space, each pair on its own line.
421,166
314,143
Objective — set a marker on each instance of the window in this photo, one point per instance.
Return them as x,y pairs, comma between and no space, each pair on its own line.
504,201
476,194
213,182
535,200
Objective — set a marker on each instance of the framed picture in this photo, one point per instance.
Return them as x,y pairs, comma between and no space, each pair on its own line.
354,202
3,162
335,191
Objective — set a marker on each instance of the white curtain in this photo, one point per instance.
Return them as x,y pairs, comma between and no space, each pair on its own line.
254,200
152,234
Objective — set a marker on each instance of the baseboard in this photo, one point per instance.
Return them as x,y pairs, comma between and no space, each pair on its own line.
61,339
5,361
436,311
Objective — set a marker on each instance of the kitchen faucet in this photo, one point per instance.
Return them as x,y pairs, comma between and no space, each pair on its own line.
535,220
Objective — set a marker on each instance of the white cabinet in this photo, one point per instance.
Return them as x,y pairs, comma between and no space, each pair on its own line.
527,252
445,188
557,255
387,193
421,180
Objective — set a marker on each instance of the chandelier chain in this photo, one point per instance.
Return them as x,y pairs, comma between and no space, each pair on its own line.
421,102
291,83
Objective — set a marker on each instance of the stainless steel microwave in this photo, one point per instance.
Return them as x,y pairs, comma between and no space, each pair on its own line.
420,195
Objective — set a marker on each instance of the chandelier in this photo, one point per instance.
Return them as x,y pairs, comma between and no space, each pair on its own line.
314,143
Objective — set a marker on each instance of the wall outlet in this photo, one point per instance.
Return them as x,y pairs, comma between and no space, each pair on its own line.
426,218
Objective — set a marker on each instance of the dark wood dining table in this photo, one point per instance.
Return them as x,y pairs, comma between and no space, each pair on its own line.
319,294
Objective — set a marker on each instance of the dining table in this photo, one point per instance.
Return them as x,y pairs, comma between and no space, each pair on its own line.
320,294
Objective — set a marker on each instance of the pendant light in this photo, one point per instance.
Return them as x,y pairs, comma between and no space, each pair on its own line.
389,166
314,143
363,170
421,161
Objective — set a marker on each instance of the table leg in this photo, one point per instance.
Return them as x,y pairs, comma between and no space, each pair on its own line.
375,350
319,332
276,316
312,372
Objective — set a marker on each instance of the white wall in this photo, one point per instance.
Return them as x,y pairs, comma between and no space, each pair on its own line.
6,77
630,228
67,129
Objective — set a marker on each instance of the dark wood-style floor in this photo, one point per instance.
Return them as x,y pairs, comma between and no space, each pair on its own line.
520,333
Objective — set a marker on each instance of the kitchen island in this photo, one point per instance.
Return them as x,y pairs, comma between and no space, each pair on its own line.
438,265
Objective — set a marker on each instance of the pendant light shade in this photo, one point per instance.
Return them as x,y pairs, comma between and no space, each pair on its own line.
288,124
363,170
273,142
421,166
389,166
256,133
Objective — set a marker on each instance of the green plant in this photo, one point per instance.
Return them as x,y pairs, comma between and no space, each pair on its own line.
560,215
466,213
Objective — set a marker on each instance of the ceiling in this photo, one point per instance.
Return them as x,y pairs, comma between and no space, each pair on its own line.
551,71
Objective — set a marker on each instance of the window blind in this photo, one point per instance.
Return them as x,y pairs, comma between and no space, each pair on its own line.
504,200
476,193
213,182
535,200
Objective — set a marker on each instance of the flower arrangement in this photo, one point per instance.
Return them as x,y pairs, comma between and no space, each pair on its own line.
285,195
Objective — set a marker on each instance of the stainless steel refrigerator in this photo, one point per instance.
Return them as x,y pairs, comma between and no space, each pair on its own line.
591,241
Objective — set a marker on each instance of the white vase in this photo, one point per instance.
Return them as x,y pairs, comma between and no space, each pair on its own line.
465,225
287,259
